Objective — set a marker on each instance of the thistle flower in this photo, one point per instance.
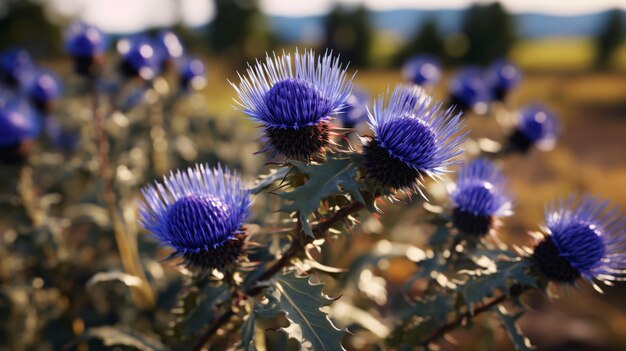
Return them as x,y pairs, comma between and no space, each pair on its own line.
423,70
294,104
16,67
168,48
502,77
199,213
139,58
18,130
583,240
479,196
469,91
413,138
86,44
536,125
192,74
43,90
355,109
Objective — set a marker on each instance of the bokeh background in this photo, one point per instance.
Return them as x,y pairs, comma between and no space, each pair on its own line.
573,58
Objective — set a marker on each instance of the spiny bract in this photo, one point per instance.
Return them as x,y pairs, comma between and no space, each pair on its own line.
413,138
294,99
587,239
199,213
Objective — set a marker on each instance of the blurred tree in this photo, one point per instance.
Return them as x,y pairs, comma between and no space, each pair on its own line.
239,31
427,40
490,32
24,24
348,33
610,37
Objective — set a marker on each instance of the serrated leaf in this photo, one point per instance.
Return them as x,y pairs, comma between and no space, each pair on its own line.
267,181
478,287
197,309
335,177
509,323
117,336
431,313
301,302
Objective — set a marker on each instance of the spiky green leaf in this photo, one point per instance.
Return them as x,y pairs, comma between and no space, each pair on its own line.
300,301
509,322
334,177
119,336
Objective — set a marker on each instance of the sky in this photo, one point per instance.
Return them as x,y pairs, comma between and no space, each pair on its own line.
125,16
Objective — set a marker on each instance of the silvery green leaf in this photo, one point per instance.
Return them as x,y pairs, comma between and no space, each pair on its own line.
335,177
300,301
479,286
247,332
509,323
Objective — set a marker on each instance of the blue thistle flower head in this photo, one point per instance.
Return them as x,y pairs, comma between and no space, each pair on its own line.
355,109
86,44
168,47
139,58
83,40
192,74
45,88
18,129
294,98
424,70
413,138
16,67
469,91
480,196
502,77
536,126
583,238
199,213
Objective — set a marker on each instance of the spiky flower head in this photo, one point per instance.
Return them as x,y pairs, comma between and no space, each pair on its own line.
139,58
480,196
198,212
424,70
584,238
469,91
294,98
16,67
18,130
86,44
536,126
502,77
44,89
355,108
413,138
192,74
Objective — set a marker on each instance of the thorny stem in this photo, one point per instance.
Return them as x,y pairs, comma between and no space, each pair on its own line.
128,252
514,291
297,245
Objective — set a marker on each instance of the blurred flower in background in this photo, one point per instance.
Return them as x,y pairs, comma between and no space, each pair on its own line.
502,77
19,128
536,126
16,67
86,44
469,91
423,70
355,109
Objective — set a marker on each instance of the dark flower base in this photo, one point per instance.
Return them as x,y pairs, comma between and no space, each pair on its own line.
221,258
553,266
459,104
300,144
87,66
386,170
519,142
16,154
468,223
127,70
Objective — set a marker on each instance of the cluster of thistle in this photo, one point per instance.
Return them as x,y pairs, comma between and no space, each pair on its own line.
324,178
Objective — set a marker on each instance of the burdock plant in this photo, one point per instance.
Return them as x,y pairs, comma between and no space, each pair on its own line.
294,99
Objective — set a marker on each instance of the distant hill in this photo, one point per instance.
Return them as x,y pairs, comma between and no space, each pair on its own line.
405,22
